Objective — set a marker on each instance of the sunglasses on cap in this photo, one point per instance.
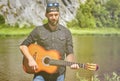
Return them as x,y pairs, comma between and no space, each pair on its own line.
53,4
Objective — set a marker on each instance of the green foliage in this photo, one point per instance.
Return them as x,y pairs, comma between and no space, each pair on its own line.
95,78
45,21
84,16
113,7
2,20
98,13
113,77
17,25
72,24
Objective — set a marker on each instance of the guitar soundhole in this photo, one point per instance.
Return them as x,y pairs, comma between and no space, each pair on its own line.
46,60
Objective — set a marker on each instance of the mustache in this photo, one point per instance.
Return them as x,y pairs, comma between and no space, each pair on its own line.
53,23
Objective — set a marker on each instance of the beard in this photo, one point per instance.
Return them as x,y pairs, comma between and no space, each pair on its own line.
53,23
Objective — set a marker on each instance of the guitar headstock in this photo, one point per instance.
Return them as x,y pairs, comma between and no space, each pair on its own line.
91,66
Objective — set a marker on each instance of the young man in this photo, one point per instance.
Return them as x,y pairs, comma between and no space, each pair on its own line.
50,36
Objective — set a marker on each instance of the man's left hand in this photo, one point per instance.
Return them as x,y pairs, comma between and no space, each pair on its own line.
74,66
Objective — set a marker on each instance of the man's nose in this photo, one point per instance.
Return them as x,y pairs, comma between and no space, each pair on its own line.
53,16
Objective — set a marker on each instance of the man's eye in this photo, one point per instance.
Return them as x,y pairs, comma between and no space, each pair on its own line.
50,15
56,14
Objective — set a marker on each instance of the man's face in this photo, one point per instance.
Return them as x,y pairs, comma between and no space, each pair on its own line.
53,18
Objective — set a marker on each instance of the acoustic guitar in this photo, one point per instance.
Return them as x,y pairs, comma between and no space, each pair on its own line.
48,60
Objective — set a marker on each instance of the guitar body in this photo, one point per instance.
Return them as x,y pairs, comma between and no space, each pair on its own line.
40,54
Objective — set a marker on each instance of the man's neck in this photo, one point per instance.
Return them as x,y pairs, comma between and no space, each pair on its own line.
53,28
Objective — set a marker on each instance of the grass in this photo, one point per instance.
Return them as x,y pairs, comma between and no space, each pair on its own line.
15,31
96,31
107,77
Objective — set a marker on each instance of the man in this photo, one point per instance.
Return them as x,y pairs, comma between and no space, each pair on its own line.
50,36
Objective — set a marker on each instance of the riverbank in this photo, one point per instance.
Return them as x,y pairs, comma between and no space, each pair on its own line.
96,31
14,31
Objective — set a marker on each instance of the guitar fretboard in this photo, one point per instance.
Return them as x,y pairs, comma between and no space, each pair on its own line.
64,63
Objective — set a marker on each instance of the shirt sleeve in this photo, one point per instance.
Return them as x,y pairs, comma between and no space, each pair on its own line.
69,43
32,38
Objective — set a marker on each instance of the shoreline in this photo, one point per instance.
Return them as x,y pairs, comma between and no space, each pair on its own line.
11,32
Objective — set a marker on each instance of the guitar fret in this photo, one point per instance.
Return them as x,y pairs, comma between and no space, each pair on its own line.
64,63
82,65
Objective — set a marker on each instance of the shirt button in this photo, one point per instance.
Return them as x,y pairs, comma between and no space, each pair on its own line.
52,44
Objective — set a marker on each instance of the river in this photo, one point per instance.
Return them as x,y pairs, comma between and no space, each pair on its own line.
102,50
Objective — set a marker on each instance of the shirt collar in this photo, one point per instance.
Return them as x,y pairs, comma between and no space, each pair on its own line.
47,27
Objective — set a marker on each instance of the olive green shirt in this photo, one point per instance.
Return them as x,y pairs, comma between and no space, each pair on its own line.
59,39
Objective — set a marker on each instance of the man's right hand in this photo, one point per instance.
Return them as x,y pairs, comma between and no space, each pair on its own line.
32,63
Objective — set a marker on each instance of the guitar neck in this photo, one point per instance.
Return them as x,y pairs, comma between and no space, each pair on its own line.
64,63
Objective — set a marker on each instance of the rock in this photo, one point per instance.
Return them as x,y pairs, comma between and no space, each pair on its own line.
31,12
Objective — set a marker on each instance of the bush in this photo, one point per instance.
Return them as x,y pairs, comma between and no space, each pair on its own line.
107,77
2,19
72,24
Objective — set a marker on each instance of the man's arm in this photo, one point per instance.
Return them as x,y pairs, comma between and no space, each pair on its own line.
31,61
71,58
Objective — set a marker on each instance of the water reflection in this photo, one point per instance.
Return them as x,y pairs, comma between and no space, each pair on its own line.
103,50
11,60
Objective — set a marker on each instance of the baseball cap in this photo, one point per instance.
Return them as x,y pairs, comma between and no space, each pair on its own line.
52,7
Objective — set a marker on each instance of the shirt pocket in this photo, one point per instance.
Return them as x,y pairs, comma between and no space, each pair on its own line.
62,39
44,39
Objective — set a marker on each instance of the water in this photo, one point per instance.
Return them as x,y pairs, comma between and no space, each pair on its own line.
103,50
11,61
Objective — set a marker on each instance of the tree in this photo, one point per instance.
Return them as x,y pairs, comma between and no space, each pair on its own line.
113,7
84,16
99,13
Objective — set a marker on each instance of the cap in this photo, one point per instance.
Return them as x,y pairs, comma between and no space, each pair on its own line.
52,7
